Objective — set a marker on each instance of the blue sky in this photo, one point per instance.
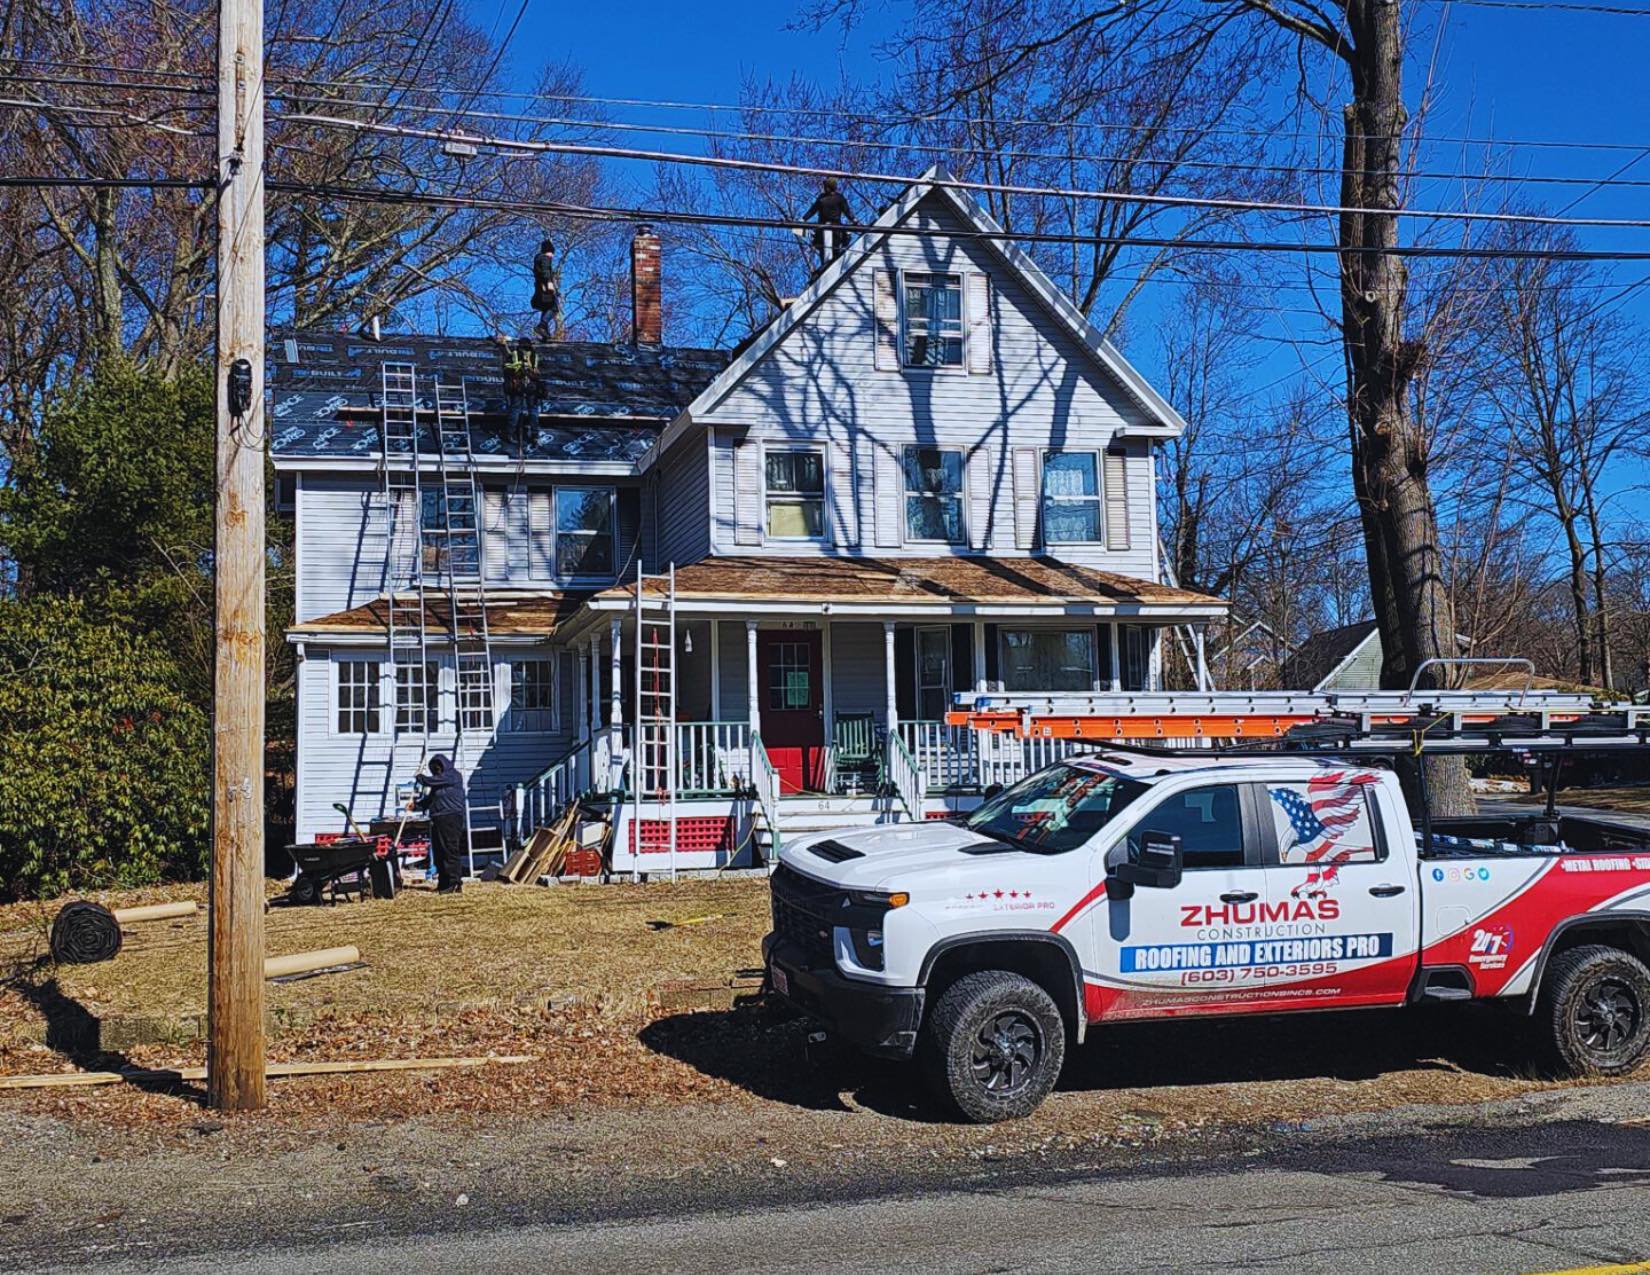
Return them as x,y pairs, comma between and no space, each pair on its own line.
1515,74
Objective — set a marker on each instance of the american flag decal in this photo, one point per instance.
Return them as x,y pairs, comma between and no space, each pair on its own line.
1317,820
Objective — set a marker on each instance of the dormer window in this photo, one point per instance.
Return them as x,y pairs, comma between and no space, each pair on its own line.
796,493
933,320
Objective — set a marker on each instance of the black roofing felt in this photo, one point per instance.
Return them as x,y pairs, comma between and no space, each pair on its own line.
318,379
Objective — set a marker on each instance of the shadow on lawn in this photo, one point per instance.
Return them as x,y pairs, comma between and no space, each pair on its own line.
74,1032
763,1049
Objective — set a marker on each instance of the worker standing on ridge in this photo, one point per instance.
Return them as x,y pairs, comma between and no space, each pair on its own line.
830,208
443,801
545,298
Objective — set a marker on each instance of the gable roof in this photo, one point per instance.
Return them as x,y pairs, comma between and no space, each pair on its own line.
1322,655
936,181
603,401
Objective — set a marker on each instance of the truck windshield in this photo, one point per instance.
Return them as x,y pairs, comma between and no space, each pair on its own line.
1055,810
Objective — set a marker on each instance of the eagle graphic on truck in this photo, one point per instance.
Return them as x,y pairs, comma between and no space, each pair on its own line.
1133,884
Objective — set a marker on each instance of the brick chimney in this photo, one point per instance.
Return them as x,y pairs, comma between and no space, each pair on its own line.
646,323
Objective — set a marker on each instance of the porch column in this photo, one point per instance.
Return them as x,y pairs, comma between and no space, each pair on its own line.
593,705
581,698
1154,660
1116,656
753,694
1202,660
615,713
888,676
979,655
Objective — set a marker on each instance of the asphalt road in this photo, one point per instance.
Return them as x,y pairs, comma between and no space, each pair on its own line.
1566,1196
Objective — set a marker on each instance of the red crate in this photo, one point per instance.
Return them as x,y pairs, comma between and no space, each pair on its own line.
582,863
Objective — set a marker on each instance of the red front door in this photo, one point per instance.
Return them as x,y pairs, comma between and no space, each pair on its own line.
793,710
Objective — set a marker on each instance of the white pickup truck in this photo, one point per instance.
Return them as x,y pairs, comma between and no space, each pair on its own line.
1132,885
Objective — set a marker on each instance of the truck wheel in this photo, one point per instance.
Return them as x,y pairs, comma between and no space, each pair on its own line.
1594,1005
993,1046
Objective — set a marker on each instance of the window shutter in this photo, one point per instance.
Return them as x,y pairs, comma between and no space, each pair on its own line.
886,307
1026,497
495,537
979,498
978,304
748,494
890,498
541,559
842,496
1117,500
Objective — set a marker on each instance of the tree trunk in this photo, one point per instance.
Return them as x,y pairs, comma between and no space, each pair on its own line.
1412,604
1601,603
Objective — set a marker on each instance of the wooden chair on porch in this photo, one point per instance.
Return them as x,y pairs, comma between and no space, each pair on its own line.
857,758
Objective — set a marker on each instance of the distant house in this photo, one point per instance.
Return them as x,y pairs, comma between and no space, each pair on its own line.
1247,656
1344,659
928,474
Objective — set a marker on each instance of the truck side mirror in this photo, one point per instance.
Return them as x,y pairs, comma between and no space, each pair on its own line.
1158,865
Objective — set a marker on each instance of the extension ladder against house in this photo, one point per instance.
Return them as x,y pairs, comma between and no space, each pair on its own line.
404,569
654,771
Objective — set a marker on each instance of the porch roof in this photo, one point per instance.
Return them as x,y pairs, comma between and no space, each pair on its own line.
509,615
888,586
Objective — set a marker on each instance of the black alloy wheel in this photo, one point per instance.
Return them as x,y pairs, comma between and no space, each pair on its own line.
1006,1052
1607,1014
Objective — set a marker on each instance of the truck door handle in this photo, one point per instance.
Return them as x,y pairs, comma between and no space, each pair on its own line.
1386,891
1239,896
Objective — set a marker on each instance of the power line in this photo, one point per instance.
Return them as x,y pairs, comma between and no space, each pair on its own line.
387,195
914,118
925,148
116,183
952,183
1566,6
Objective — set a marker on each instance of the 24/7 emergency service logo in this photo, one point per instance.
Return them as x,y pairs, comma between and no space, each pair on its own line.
1492,946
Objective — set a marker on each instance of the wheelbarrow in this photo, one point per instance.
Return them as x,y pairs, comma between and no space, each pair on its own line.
322,863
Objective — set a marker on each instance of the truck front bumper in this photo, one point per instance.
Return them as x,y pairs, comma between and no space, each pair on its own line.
879,1020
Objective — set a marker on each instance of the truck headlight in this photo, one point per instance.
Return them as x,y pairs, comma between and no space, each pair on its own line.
867,948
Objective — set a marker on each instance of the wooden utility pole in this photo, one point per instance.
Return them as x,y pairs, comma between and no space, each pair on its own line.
235,997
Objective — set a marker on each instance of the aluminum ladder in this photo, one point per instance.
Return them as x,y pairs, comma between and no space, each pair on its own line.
457,537
404,582
655,771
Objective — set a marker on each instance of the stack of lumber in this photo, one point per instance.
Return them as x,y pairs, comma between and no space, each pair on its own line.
545,851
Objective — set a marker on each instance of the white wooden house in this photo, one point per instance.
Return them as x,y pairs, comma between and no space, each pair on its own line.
928,474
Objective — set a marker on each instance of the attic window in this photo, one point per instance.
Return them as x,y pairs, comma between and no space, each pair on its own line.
933,320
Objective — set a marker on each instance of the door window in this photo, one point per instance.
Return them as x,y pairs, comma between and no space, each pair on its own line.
1324,819
789,677
1208,821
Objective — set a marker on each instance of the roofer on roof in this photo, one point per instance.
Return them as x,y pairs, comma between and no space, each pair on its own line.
545,298
830,208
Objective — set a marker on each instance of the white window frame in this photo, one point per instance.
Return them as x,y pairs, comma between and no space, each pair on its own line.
556,531
961,495
337,698
1002,649
1099,497
516,719
796,498
905,322
432,697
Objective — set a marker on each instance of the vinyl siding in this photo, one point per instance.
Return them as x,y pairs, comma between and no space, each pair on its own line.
362,770
683,503
821,385
857,671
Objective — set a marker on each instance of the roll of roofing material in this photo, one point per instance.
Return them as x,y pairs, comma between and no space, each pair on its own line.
84,934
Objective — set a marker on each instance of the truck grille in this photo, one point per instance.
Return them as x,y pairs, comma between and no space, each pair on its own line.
803,913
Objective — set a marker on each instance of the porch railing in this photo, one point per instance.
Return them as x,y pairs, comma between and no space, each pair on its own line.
765,780
947,756
545,796
907,779
1007,759
713,757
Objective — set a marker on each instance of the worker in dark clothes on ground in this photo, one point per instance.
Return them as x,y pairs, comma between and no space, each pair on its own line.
443,801
831,210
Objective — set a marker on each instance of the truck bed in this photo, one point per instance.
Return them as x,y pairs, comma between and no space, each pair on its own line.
1530,835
